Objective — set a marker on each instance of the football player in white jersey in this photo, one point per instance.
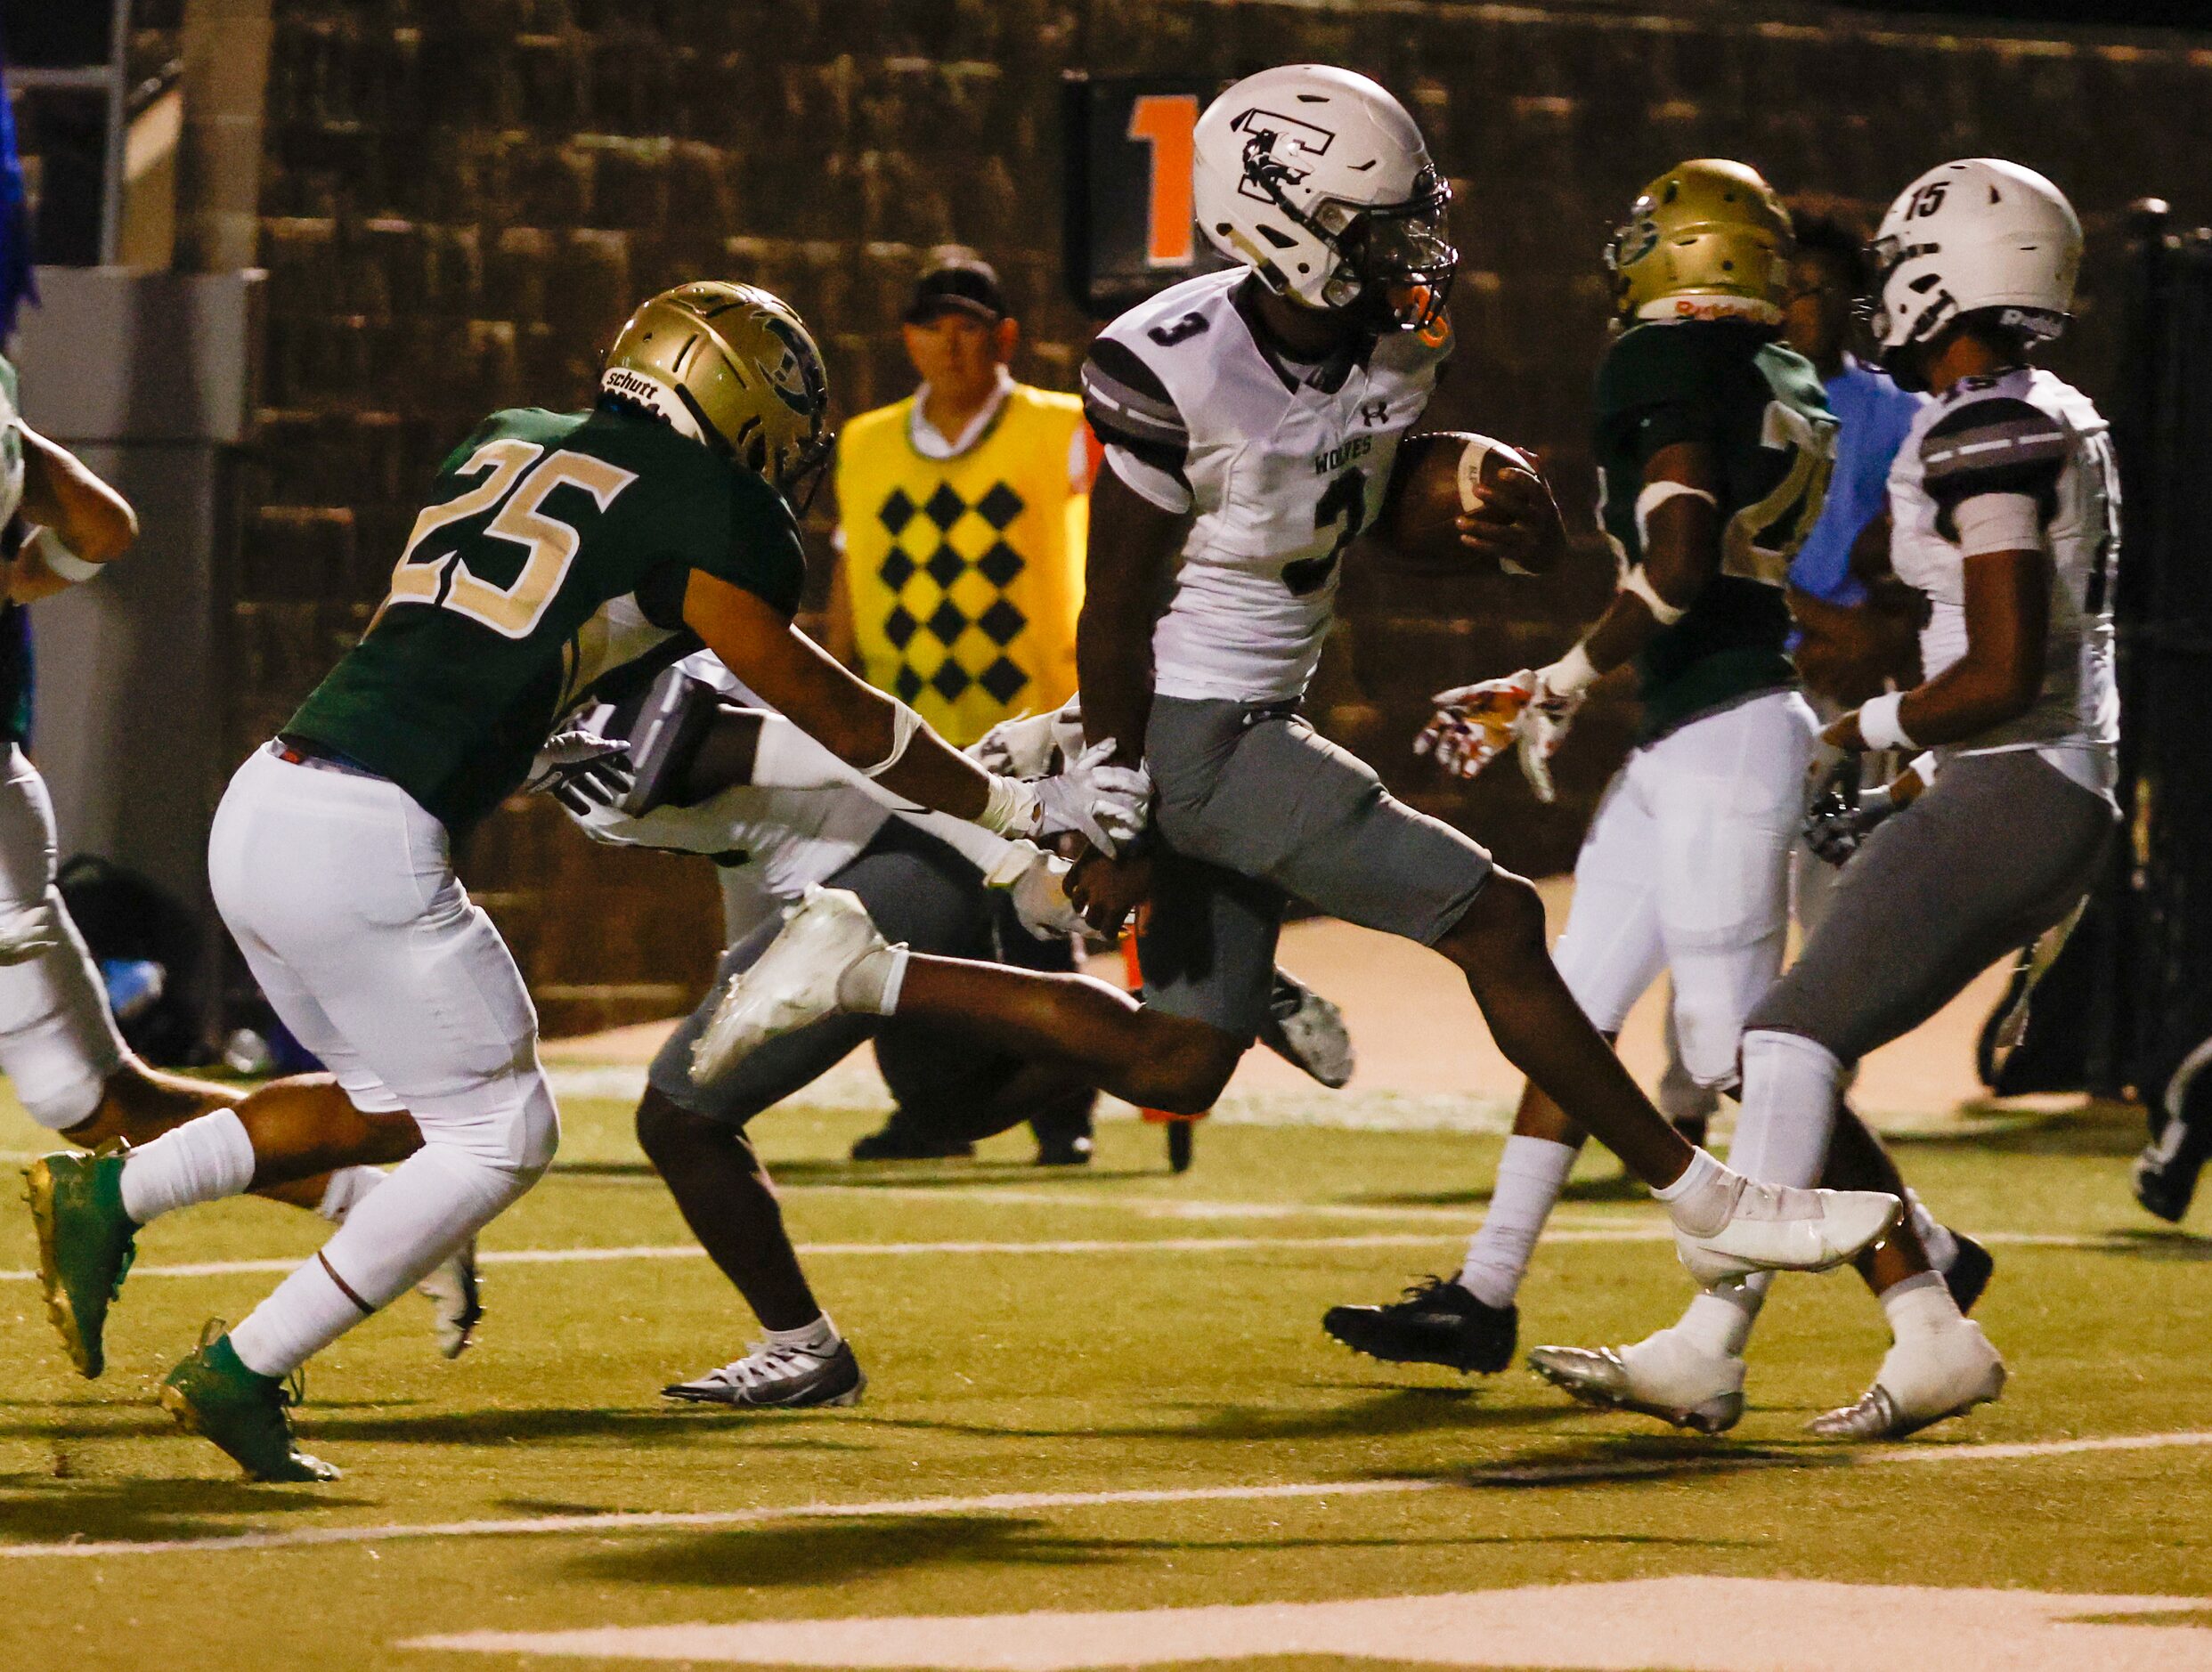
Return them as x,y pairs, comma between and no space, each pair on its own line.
2005,507
1251,418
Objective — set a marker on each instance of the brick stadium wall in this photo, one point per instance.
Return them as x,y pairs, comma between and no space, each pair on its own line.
461,203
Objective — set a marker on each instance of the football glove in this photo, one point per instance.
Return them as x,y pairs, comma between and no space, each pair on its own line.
1106,805
582,770
1023,748
1474,724
1561,689
1035,879
1839,816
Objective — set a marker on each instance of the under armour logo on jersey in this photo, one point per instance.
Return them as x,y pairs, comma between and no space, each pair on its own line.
1374,414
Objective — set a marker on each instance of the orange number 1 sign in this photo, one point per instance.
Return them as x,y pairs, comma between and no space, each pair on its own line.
1165,121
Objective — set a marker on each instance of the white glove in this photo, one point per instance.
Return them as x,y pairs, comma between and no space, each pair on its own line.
25,935
582,770
1561,689
1016,749
1108,806
1474,724
1036,881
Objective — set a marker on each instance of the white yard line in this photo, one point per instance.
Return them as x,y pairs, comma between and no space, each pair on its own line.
1643,1230
1016,1503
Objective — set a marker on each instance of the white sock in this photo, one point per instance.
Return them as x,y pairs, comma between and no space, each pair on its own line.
1701,1199
819,1337
347,1186
392,1238
1531,1174
1921,1304
870,985
204,1160
1935,1237
1719,1318
1789,1086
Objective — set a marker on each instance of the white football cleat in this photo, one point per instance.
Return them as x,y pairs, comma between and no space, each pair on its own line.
1924,1378
793,983
1664,1375
1307,1031
452,1289
1779,1228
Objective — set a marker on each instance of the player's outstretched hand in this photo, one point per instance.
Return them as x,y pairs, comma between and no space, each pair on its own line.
1037,883
1106,805
1515,522
582,770
1474,724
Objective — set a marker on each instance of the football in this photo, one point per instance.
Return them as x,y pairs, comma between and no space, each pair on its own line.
1436,480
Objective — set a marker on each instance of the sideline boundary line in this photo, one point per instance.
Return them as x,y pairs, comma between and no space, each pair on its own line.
1007,1503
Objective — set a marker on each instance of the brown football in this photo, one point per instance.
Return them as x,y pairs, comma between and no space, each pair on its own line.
1435,477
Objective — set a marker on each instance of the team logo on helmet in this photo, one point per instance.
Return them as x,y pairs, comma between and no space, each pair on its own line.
1272,145
797,376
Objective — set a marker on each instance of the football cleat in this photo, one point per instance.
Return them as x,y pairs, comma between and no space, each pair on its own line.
1307,1031
1437,1322
793,983
1778,1228
452,1289
2165,1175
1924,1379
1970,1271
1664,1376
780,1378
213,1395
86,1243
904,1139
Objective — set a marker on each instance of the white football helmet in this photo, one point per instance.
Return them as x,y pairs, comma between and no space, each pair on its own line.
1981,236
1317,180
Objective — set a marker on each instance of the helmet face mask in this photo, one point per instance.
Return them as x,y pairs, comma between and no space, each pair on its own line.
734,368
1336,208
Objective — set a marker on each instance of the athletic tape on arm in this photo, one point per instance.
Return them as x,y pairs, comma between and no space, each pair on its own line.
905,723
785,758
1999,522
1881,725
1639,583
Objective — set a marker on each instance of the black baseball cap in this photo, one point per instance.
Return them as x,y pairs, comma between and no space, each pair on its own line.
956,281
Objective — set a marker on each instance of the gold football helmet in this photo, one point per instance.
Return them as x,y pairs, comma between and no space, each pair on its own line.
1707,237
734,367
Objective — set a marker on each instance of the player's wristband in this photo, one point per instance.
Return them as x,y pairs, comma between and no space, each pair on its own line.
1879,723
1011,809
1572,674
62,562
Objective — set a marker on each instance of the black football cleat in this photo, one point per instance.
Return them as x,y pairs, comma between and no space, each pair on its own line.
899,1139
2166,1173
1970,1272
1437,1322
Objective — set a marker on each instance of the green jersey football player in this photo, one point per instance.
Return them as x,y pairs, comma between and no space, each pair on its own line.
561,557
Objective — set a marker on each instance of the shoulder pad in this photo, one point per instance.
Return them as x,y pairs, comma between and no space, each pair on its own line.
1652,364
1992,443
1128,406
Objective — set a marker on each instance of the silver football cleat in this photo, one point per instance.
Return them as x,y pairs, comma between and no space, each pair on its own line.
453,1290
780,1378
1307,1031
1661,1375
1921,1383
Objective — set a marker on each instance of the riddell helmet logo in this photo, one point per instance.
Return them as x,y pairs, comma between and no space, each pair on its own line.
796,375
1283,141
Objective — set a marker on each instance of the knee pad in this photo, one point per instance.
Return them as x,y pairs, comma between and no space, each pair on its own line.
511,1125
59,1045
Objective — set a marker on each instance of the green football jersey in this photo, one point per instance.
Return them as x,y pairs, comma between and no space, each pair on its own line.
1760,406
549,566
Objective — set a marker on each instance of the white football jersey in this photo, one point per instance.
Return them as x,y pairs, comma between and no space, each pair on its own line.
1282,465
2023,433
785,839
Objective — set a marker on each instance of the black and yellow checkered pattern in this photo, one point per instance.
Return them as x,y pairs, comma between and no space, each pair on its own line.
947,571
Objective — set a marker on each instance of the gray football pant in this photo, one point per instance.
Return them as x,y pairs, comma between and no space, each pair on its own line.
2001,850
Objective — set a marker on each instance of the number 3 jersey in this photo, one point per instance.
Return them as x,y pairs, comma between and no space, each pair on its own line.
1759,409
2030,434
549,566
1281,465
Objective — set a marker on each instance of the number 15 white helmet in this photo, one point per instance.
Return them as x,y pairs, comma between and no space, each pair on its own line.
1981,237
1317,180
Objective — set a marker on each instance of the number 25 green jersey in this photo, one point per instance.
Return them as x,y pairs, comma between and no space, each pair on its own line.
1760,410
549,566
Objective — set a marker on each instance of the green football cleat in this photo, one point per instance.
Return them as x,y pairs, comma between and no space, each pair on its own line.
85,1245
213,1395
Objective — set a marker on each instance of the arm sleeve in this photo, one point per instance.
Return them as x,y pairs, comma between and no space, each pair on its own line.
1998,522
1997,446
978,847
1136,420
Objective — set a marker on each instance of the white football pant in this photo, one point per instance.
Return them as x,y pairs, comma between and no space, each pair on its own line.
1686,869
57,1043
340,892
